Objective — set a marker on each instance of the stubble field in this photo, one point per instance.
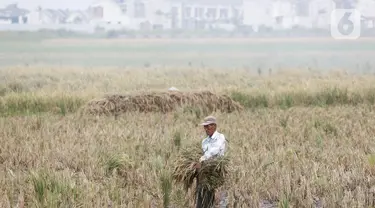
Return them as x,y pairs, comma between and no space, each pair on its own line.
305,136
276,53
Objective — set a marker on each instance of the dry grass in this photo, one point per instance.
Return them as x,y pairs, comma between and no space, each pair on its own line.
292,155
164,102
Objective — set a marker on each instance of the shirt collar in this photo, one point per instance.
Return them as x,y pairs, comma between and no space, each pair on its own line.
214,135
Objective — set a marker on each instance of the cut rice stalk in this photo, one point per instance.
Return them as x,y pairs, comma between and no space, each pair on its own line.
161,102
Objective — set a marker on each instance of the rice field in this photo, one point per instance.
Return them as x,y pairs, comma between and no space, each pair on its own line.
304,137
319,53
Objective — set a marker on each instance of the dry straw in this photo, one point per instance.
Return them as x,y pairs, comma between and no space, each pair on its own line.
184,172
161,102
210,176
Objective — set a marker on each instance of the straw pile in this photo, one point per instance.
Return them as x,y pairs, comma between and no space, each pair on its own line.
161,102
210,176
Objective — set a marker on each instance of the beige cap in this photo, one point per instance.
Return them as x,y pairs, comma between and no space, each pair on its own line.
208,120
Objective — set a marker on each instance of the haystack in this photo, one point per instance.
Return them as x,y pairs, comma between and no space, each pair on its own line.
161,102
210,176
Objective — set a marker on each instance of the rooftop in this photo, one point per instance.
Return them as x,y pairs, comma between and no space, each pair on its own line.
13,10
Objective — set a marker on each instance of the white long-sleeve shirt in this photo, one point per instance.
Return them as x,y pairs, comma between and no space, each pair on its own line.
213,146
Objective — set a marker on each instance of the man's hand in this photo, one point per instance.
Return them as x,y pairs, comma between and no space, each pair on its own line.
195,165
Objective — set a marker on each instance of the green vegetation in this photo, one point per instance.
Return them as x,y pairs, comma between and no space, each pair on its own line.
27,103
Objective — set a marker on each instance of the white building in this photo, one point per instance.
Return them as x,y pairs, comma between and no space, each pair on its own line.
131,14
276,14
108,12
367,10
47,16
203,14
12,14
284,14
257,13
314,14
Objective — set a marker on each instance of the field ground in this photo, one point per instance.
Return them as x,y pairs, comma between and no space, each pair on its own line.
304,136
201,40
320,53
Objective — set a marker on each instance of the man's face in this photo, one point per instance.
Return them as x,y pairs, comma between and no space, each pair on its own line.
210,129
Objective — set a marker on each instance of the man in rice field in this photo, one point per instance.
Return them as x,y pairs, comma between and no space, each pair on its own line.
213,145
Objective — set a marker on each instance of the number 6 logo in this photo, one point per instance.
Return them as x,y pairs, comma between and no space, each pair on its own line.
345,24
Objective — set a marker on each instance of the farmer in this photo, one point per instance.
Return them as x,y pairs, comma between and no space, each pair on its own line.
213,145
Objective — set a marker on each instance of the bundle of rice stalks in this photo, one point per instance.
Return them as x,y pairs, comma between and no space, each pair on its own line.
213,173
210,176
183,172
164,102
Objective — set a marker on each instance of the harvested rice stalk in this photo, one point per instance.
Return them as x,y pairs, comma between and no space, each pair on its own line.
183,172
162,102
211,175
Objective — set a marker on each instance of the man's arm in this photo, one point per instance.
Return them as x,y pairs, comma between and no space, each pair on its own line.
215,148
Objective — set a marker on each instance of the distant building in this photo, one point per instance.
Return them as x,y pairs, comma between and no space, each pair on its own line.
12,14
275,14
285,14
48,16
345,4
108,12
77,17
130,14
203,14
367,10
57,16
258,14
315,14
167,14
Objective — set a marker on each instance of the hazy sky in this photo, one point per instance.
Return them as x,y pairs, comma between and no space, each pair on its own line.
32,4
